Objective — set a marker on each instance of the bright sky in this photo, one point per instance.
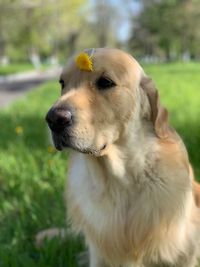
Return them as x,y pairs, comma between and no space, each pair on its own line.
126,9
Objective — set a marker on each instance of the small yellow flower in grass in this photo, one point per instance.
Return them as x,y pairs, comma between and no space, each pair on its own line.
84,62
51,149
50,162
19,130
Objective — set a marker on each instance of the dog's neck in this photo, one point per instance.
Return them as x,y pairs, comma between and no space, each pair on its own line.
128,155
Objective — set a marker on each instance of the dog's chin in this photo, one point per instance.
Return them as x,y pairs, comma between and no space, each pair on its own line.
62,143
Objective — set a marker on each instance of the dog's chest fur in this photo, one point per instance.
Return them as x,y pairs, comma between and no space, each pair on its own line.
124,219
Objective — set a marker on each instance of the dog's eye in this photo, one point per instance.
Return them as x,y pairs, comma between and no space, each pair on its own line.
105,83
62,83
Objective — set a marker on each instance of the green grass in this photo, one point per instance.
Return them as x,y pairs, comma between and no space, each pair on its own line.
15,68
32,178
32,175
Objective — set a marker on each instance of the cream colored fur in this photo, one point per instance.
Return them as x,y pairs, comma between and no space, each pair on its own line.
134,200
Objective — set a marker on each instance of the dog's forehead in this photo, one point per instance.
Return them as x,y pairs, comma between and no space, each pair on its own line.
109,61
113,56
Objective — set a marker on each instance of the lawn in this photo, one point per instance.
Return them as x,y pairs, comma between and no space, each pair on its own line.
15,68
32,173
32,178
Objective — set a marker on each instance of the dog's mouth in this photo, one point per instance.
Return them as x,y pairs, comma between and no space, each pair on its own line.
61,143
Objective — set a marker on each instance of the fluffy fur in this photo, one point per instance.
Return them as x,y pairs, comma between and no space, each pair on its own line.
132,190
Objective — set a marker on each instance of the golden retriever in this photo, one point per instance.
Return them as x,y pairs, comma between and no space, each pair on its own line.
130,188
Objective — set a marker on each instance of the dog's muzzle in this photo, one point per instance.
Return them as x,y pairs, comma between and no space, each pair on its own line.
59,121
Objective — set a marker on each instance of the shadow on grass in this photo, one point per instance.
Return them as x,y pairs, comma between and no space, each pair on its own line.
189,132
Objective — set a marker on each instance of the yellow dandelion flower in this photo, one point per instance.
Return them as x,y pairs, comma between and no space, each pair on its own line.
50,149
84,62
50,162
19,130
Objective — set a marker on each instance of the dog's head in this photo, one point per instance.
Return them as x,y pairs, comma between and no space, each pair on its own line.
96,106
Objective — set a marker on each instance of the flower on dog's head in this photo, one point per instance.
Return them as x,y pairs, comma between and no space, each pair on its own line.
84,62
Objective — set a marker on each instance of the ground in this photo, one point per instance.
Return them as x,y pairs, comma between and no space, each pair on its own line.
32,173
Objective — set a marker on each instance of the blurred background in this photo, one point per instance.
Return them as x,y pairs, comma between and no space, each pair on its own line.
48,31
36,39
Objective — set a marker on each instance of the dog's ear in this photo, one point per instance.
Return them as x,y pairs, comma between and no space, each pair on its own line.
159,114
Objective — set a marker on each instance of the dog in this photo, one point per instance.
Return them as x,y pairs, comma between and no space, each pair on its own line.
130,187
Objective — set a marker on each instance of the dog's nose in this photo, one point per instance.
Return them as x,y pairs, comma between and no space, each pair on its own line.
58,119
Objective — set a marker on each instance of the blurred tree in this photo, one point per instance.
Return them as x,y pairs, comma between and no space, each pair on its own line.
6,24
187,28
168,28
39,27
103,21
103,18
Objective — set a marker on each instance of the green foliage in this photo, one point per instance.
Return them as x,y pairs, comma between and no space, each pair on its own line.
42,27
167,28
32,174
